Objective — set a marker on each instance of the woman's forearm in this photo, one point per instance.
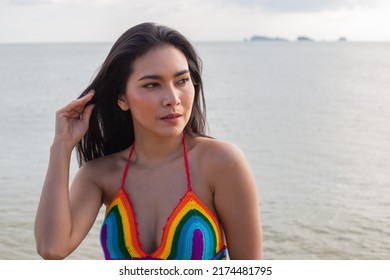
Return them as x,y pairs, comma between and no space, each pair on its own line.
53,223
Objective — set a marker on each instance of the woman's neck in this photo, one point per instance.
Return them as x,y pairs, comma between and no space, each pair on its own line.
151,151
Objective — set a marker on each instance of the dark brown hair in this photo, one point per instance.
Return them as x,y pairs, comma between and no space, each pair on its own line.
111,129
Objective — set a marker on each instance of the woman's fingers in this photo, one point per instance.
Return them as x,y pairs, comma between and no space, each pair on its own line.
74,110
83,111
79,110
72,121
86,115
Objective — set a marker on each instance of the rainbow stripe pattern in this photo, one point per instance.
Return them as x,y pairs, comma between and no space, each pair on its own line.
192,232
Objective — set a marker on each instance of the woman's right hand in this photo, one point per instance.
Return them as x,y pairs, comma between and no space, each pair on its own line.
72,121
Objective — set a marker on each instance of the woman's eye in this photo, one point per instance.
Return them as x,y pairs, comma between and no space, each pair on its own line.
183,81
151,85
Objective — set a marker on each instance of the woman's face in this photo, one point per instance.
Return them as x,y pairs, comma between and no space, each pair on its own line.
159,92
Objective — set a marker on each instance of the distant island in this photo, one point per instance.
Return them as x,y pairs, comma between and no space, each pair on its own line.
304,39
265,38
308,39
262,38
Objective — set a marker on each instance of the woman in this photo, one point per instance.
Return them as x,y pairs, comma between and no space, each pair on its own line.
169,191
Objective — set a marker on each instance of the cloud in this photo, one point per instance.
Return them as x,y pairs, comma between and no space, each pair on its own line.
200,20
75,3
25,2
305,5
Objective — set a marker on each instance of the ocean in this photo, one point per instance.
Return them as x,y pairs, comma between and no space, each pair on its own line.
312,119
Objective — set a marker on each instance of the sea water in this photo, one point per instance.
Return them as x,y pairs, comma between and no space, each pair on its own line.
311,118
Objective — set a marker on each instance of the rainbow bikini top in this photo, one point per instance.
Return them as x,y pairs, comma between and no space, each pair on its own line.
192,231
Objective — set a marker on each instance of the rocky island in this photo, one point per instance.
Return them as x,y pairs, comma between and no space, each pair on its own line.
262,38
266,38
304,39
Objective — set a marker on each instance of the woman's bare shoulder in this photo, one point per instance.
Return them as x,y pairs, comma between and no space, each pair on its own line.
103,167
216,152
218,159
112,161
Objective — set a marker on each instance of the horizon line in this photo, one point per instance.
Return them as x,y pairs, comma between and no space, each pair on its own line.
245,40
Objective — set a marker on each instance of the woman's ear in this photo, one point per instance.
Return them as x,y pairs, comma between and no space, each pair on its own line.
122,103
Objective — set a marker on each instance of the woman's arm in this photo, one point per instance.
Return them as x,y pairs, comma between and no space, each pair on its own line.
63,217
236,201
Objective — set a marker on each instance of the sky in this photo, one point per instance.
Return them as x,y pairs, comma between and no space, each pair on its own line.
36,21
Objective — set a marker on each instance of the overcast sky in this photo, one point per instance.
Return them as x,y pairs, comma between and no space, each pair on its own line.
199,20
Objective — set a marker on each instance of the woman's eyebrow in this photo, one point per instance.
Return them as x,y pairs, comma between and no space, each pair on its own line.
158,77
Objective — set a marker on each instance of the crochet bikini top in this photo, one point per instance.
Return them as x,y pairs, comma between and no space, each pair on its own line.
192,231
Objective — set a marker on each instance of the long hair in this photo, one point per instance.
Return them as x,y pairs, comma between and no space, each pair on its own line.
111,129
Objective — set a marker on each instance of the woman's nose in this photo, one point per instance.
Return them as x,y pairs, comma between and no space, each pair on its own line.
171,96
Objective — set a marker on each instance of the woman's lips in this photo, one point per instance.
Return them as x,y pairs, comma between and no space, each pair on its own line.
173,117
